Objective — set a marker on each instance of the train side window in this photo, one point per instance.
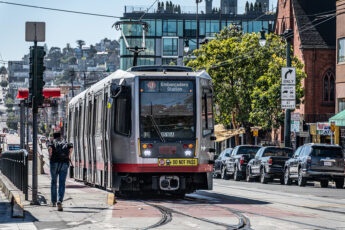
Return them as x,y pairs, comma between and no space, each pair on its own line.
123,113
207,112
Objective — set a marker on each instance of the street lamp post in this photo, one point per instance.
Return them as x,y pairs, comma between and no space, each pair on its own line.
197,23
287,122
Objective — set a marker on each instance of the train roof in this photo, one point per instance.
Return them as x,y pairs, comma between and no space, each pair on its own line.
149,71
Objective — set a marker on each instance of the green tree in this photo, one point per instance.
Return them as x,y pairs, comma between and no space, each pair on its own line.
12,121
80,43
242,73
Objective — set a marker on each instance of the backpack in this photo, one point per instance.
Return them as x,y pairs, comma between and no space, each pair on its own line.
61,151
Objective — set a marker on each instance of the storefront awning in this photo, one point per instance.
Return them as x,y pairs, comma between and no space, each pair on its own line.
223,134
339,119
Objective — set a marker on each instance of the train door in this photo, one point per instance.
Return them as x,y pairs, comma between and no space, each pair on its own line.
75,139
89,138
93,143
207,125
106,109
85,138
80,139
98,139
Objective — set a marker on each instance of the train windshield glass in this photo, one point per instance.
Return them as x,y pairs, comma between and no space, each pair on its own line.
167,110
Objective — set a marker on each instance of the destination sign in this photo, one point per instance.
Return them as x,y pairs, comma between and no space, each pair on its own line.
166,86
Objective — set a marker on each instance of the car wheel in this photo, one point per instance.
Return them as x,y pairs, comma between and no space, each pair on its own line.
236,175
263,177
287,180
282,180
339,183
302,181
249,177
224,174
324,183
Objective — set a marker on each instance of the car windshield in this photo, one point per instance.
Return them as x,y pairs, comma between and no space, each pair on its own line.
327,152
280,152
249,150
167,110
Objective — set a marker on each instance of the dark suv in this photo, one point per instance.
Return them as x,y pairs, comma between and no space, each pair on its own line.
268,164
237,163
219,164
319,162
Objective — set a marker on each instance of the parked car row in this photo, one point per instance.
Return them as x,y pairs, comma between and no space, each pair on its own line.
310,162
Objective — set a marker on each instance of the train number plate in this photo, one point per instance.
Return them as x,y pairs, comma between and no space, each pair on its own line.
177,162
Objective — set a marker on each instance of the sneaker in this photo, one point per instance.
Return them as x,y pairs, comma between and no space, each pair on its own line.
52,204
59,205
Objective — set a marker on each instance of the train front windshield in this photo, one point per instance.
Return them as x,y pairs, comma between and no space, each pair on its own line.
167,110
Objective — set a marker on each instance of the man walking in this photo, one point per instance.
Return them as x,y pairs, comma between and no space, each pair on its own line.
59,154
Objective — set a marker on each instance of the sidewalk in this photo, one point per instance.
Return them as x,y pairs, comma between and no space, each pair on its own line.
83,205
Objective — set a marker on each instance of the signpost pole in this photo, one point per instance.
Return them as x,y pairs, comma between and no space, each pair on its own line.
287,123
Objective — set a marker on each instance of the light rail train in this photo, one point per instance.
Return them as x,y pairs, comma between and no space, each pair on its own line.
149,128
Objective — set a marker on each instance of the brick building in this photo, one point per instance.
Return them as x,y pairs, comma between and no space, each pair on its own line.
314,43
340,68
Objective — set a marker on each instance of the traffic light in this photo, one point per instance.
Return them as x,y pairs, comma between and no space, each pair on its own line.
37,69
39,77
31,75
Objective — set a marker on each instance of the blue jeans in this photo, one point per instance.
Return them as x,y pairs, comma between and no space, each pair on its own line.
58,169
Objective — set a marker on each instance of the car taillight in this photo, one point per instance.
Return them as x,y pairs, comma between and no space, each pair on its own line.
185,146
150,146
309,161
242,160
270,161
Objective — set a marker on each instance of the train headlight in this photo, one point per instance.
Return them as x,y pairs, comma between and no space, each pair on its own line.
188,153
147,152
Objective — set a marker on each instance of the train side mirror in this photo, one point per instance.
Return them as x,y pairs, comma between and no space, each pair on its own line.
115,90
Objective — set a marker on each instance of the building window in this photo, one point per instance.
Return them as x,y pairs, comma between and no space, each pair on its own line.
170,46
212,27
341,104
341,50
169,28
190,28
169,61
328,86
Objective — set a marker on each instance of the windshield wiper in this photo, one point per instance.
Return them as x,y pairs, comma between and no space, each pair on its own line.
157,128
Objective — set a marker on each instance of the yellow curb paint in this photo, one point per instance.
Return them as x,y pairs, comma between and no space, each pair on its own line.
111,199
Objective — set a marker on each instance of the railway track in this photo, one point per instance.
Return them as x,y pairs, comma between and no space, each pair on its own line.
167,214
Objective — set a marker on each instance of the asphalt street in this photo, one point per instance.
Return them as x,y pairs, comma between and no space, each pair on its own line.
230,205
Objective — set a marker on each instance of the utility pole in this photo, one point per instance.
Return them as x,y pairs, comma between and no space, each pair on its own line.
35,31
287,121
22,125
197,23
72,79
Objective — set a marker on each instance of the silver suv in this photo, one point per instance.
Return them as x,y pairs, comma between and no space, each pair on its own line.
318,162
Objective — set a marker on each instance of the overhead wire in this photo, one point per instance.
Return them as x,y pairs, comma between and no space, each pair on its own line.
60,10
148,10
246,56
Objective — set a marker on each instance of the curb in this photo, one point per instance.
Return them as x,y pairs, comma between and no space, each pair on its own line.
14,195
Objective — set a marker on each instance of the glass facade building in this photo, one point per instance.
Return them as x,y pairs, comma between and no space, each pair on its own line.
168,32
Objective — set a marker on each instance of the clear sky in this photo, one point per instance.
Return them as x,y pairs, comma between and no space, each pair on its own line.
63,28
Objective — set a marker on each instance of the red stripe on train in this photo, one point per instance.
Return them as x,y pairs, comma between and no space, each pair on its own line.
148,168
137,168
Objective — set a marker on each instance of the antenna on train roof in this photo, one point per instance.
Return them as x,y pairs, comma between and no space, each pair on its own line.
128,26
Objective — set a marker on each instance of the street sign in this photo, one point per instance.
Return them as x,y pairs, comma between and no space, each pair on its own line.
295,126
288,104
288,92
288,76
333,126
35,31
295,116
326,130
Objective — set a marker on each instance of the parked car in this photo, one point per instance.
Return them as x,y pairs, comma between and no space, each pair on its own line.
268,164
317,162
219,164
237,163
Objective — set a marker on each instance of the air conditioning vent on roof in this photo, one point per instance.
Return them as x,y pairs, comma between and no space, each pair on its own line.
162,68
